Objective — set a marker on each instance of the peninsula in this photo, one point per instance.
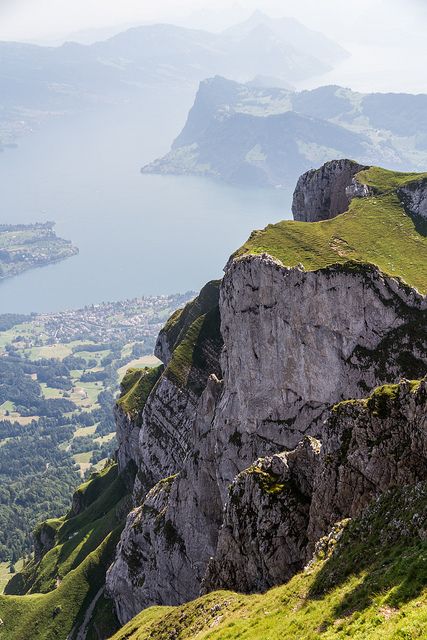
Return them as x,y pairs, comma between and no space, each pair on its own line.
27,246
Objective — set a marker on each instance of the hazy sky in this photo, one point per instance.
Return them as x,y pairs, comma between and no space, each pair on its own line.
386,37
55,19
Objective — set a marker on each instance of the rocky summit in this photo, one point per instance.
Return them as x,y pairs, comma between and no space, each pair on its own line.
280,450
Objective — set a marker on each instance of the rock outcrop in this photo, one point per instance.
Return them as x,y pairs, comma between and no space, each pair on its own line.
368,447
155,412
44,539
233,419
324,193
263,539
414,198
280,507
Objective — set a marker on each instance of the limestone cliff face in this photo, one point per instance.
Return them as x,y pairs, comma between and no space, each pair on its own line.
280,507
263,538
168,541
324,193
127,433
247,388
414,198
155,413
369,447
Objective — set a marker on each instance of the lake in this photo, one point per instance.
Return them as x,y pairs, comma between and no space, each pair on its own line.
137,234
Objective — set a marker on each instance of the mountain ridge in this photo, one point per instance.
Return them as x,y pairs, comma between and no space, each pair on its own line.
291,400
327,122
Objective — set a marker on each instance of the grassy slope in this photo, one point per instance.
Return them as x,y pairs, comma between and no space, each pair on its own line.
54,615
136,386
69,575
374,230
373,586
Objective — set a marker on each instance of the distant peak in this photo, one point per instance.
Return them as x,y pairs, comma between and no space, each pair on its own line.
259,15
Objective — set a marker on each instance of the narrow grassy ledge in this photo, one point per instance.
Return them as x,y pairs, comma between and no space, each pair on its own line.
98,482
381,398
189,354
268,482
176,327
136,387
375,230
381,402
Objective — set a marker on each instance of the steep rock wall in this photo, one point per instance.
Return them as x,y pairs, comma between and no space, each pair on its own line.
250,377
414,198
368,448
263,539
292,342
324,193
279,508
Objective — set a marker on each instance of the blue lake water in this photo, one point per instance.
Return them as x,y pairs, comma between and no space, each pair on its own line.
137,234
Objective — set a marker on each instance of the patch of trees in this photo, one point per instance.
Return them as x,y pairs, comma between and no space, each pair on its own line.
37,480
10,320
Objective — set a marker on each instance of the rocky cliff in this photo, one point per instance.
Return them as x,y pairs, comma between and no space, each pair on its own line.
288,419
241,465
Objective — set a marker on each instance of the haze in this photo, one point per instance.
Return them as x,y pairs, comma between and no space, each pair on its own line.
385,37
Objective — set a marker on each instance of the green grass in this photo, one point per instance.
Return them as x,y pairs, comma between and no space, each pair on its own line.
181,320
54,615
83,458
374,230
61,586
358,588
385,180
136,387
189,354
50,392
82,432
5,574
56,351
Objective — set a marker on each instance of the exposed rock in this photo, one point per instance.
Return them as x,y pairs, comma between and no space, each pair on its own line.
414,198
154,563
304,331
44,540
127,432
164,437
166,434
263,539
369,447
251,378
137,553
136,388
358,190
325,193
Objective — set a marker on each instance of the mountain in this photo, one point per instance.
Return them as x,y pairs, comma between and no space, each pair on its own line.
279,450
40,82
248,134
292,32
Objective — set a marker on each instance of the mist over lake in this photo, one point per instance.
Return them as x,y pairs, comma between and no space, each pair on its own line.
137,234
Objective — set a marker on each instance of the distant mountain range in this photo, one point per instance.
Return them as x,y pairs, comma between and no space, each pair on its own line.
38,82
249,134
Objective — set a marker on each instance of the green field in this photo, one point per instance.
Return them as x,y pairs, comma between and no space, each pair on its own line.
375,230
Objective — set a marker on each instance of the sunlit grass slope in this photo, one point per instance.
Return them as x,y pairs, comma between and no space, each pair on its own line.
371,584
60,588
374,230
